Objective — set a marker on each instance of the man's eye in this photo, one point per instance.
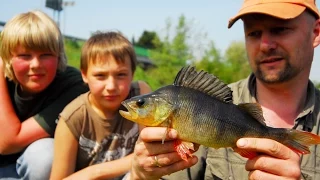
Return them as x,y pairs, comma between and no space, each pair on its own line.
279,30
254,34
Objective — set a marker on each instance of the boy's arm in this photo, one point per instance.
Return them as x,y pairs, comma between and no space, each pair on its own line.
14,135
106,170
65,152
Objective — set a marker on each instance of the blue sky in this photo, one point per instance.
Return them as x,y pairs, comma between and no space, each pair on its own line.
133,17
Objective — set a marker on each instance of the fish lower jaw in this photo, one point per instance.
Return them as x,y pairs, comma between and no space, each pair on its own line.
126,114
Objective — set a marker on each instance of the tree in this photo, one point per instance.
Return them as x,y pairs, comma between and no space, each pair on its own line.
231,67
316,84
237,62
211,61
169,55
148,39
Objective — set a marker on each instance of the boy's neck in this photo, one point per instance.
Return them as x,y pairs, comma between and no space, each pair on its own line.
103,113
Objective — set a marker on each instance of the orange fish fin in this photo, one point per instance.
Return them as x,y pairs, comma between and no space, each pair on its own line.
245,153
183,148
299,141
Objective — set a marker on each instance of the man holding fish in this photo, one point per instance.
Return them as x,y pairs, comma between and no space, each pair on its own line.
280,37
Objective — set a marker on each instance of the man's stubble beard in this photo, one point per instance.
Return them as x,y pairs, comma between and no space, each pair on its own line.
284,75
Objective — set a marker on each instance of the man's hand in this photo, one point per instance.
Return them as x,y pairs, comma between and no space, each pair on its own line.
275,160
152,159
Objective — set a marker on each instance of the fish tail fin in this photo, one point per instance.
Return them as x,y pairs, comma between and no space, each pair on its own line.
183,148
299,141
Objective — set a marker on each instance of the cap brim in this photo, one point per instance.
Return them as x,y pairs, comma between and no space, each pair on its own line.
278,10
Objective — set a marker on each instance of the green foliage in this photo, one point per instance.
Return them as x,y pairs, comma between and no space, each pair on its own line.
211,61
169,55
179,47
232,67
147,40
237,62
73,51
317,84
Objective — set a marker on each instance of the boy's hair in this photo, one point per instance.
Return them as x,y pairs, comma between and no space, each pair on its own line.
33,30
103,44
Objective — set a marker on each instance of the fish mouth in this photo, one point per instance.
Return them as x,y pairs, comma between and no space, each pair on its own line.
128,112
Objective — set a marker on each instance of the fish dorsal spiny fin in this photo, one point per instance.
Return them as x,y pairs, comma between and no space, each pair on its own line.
204,82
254,109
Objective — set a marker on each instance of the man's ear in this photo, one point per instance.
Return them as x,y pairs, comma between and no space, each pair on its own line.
316,32
84,76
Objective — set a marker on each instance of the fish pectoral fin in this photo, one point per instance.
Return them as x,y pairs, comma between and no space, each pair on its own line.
245,153
183,148
165,134
254,109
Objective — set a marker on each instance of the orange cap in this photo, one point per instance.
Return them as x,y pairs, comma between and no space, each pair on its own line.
283,9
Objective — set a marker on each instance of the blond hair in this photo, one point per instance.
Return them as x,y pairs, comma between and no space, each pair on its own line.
104,44
33,30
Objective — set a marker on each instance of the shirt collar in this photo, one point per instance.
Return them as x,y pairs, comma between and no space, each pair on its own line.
308,109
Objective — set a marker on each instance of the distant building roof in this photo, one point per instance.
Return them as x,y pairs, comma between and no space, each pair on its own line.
141,51
143,57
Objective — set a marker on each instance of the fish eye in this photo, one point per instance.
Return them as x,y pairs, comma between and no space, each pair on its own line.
140,102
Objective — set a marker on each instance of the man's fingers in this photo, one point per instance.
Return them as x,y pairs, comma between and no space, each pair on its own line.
274,166
177,166
260,175
150,134
154,159
275,159
165,159
266,146
163,164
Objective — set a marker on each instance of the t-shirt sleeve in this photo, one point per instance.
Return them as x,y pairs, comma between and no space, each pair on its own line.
74,114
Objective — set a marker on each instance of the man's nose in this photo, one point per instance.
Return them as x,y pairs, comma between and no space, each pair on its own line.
267,43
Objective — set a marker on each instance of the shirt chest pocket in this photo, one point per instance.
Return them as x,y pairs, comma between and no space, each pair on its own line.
310,164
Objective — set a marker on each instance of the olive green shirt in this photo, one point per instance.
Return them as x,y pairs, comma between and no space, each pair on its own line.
224,163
